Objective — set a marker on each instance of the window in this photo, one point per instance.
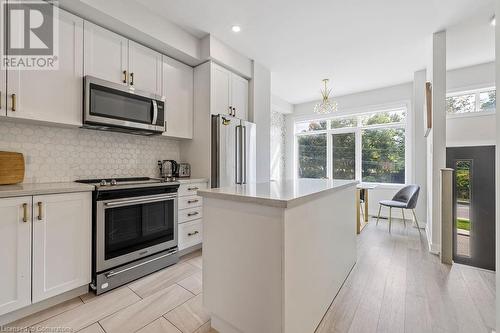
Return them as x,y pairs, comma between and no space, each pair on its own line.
312,156
473,101
383,153
368,147
344,155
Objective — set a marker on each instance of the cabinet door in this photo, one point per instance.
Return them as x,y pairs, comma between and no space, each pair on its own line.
178,94
239,96
15,249
106,55
52,95
145,68
61,243
3,92
221,90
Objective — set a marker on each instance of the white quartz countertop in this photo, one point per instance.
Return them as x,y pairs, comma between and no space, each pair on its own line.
23,189
284,194
191,180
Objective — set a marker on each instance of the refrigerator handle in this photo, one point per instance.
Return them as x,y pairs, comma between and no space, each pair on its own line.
238,154
244,155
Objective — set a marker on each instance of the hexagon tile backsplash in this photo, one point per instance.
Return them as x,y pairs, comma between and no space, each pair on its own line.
54,154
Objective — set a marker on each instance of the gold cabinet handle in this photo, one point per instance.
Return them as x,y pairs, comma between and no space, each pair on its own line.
192,214
131,79
40,211
124,76
25,212
193,233
193,201
193,188
13,102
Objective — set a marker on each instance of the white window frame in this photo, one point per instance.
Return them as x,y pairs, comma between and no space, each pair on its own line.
477,92
358,133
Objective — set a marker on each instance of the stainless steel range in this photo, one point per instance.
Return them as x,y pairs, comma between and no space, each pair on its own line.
134,229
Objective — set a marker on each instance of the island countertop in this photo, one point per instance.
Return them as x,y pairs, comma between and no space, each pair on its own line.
282,194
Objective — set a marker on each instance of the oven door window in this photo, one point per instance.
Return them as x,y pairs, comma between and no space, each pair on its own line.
132,228
110,103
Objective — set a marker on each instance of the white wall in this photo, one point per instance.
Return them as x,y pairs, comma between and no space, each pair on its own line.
436,141
471,129
260,113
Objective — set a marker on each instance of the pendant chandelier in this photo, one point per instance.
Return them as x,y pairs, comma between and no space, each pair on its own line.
326,105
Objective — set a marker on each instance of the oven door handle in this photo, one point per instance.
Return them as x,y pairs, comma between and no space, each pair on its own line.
138,201
113,273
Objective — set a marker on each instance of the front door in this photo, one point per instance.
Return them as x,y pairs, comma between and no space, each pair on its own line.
474,205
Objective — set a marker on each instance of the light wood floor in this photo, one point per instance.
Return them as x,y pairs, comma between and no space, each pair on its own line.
396,286
168,301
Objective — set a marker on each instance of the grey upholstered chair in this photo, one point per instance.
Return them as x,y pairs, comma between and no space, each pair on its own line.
406,198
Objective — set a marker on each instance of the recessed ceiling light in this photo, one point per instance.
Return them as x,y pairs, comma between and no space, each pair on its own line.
493,20
236,28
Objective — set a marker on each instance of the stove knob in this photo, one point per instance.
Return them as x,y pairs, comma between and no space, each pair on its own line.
113,181
103,182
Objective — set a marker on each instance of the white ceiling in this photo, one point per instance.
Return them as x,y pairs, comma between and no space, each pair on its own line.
359,44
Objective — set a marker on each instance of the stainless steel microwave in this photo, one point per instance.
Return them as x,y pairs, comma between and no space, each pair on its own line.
116,107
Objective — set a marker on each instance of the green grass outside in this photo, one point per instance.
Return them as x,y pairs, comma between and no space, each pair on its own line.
463,224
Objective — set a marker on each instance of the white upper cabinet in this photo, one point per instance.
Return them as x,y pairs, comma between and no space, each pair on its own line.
221,90
61,243
106,54
51,95
144,68
178,96
15,247
239,96
229,93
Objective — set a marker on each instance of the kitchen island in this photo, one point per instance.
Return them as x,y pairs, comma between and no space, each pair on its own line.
276,254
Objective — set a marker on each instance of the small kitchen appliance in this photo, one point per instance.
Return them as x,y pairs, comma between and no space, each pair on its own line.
169,169
184,170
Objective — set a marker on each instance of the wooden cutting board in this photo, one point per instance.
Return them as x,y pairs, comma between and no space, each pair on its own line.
11,168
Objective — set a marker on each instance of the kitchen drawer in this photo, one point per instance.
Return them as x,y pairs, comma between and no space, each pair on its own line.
190,234
190,189
190,214
190,202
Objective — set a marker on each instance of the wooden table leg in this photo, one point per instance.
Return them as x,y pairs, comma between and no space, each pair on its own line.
366,205
358,217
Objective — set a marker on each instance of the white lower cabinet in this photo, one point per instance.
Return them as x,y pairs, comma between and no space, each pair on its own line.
61,243
189,216
45,246
15,253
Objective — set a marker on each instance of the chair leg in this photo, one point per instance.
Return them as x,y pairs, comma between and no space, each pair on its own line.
390,218
416,220
404,220
379,209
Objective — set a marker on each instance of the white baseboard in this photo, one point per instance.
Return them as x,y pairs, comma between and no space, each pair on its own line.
433,248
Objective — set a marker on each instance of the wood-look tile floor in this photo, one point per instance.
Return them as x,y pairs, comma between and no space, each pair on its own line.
396,286
168,301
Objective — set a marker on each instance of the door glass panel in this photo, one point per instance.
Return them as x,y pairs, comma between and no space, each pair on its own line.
344,156
312,156
463,224
121,105
135,227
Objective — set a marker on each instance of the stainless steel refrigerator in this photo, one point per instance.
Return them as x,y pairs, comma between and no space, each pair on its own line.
233,151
